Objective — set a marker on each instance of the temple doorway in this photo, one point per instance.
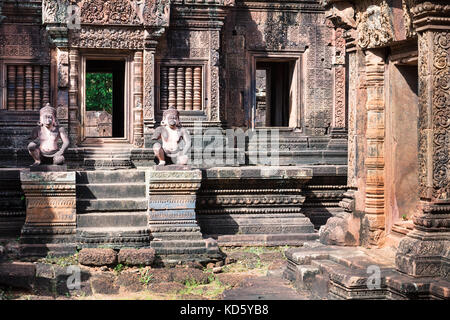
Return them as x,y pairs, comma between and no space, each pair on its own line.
104,99
273,92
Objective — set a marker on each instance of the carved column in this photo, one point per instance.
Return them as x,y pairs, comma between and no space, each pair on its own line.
425,250
62,93
149,84
137,99
374,162
74,110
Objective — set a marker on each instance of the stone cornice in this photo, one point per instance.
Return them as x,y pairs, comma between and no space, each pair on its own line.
430,14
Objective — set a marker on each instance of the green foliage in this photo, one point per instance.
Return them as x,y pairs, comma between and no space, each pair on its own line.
99,90
60,261
146,276
404,217
119,268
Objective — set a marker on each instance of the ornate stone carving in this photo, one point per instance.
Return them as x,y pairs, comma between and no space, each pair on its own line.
54,11
157,13
107,38
373,23
407,18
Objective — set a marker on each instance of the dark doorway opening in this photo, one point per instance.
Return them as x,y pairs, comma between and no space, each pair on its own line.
273,88
105,92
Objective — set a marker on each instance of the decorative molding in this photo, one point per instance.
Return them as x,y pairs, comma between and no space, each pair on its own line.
107,38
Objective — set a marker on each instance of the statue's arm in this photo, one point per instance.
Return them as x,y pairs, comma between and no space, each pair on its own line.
187,140
65,140
35,133
157,133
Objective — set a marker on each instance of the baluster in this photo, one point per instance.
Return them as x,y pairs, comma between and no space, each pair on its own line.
197,88
20,88
188,89
37,88
11,88
180,88
172,93
29,88
164,88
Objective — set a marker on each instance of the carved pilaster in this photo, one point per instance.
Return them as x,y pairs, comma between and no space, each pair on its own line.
424,252
374,162
137,98
214,45
74,110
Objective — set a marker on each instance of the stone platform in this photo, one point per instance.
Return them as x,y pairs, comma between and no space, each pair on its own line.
172,219
335,272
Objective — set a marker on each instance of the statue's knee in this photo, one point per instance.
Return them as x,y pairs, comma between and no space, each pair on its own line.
183,159
156,147
32,146
58,160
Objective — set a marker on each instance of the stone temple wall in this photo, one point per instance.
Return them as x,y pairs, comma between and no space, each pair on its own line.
279,30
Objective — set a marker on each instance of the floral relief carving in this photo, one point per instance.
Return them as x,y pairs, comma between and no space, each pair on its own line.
119,38
373,23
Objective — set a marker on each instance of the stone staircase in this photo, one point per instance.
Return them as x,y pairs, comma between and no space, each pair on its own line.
334,272
112,209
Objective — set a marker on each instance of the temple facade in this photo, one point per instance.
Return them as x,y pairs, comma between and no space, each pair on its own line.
311,120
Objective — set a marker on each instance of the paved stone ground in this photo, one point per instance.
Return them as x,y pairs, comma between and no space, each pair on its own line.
266,288
247,274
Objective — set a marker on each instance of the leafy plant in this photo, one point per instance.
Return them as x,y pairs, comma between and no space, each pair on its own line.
119,268
99,91
146,276
404,217
60,261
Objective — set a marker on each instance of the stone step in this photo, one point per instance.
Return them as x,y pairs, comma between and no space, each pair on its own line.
167,244
111,177
291,239
176,236
111,191
111,205
112,232
116,219
113,237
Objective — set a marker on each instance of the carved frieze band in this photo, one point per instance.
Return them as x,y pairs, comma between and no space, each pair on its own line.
110,12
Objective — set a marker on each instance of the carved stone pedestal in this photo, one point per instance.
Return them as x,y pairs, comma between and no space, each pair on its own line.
50,213
172,220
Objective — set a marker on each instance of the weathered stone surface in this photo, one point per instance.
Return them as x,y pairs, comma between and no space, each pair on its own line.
2,253
130,282
184,275
97,257
104,284
271,256
17,274
136,257
340,230
166,287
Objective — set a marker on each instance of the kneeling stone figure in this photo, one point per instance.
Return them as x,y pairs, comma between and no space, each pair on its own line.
176,140
48,132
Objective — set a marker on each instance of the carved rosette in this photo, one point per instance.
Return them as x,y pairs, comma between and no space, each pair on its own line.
373,23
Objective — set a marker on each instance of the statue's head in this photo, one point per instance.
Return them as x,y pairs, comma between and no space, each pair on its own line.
48,116
171,118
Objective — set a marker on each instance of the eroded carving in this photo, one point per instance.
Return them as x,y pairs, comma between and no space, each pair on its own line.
373,24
